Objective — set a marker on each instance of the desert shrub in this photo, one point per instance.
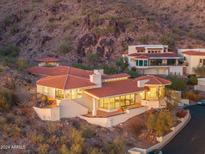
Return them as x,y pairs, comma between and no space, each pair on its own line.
168,39
144,39
117,146
83,66
192,95
64,149
77,142
36,138
53,140
22,64
178,83
92,58
192,80
110,69
43,148
7,99
14,131
52,127
14,30
95,151
8,54
10,51
65,46
160,122
88,133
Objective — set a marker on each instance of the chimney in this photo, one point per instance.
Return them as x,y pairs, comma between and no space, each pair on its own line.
96,77
141,83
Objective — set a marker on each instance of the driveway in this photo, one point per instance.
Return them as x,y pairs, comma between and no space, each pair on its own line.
191,140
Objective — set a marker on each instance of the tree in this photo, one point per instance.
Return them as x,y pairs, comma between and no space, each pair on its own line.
122,64
178,83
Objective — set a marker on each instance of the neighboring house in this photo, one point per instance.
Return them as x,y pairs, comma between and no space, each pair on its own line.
201,84
93,94
154,59
47,61
193,58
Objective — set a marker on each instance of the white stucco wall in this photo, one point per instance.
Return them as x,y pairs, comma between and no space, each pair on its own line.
201,84
178,70
70,109
193,61
115,120
50,114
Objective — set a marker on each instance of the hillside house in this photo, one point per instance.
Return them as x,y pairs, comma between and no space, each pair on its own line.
100,95
154,60
193,58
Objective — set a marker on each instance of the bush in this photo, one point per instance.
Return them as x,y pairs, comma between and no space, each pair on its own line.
43,148
122,64
65,47
160,122
169,40
22,64
94,151
192,80
133,73
77,142
178,83
10,51
117,146
110,69
8,54
7,99
192,95
88,133
64,149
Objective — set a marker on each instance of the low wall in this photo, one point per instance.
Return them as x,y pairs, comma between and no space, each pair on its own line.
115,120
165,139
71,109
51,114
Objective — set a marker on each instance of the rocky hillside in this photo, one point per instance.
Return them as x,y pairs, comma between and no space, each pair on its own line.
76,29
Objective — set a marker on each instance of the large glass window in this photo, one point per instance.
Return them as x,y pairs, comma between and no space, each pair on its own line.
59,94
145,63
171,61
117,102
140,62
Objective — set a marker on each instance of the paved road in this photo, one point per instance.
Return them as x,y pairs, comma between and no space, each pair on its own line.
191,140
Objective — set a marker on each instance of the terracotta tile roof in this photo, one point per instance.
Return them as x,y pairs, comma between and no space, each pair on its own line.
194,53
153,80
47,59
64,82
115,88
64,70
59,70
153,55
113,76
